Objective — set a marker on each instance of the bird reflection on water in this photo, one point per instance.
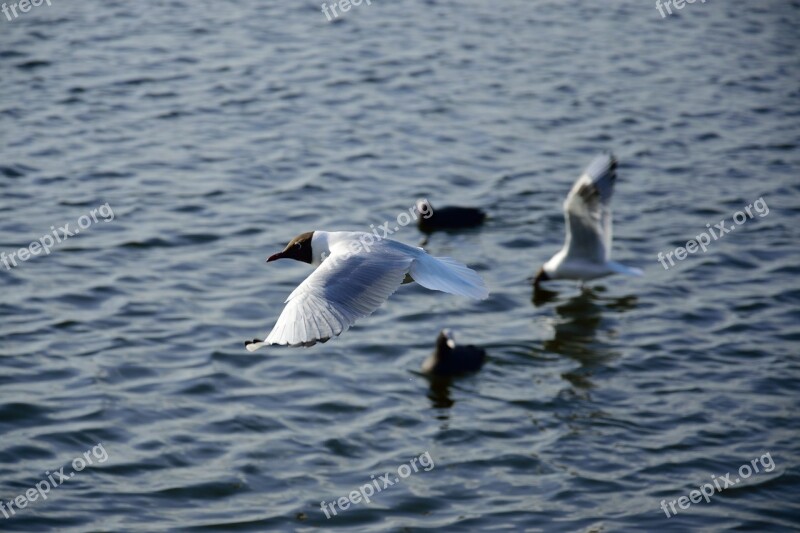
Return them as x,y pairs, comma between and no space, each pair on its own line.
439,392
579,323
578,320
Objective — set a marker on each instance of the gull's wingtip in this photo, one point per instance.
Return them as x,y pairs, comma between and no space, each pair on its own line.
624,269
602,164
253,345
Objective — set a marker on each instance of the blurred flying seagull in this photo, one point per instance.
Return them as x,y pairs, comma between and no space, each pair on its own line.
356,273
586,254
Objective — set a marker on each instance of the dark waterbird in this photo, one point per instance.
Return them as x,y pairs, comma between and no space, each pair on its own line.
448,218
450,359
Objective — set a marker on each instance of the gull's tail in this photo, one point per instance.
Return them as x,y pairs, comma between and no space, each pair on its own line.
448,275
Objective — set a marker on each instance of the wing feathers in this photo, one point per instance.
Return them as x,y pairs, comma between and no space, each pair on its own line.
341,290
448,275
587,211
348,286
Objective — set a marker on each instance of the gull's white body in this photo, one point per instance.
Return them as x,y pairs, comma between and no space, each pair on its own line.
355,274
586,254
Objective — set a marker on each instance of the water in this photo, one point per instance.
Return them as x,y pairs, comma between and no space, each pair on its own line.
215,132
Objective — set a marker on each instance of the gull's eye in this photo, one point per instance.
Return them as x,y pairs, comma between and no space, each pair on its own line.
298,245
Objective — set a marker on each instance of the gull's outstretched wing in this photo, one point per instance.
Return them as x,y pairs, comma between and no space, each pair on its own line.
345,287
587,211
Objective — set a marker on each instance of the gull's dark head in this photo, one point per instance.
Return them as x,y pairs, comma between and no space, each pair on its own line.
298,249
541,276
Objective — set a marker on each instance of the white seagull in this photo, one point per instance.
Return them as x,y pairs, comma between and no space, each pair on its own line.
586,254
356,273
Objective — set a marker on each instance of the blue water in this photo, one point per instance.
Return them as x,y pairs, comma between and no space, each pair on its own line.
217,131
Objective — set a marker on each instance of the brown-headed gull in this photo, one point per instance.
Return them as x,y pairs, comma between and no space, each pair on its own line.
586,254
355,274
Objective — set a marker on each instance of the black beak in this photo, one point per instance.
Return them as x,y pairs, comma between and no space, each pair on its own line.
275,257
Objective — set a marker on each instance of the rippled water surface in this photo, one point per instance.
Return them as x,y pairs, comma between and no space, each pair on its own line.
216,131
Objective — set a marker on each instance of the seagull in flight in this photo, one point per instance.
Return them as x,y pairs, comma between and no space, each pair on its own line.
586,254
356,272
